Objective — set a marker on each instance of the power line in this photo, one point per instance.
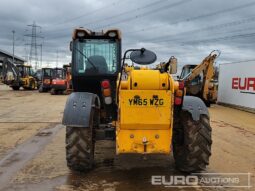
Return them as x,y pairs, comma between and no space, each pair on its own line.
172,5
221,38
240,61
90,13
33,59
223,11
128,12
214,27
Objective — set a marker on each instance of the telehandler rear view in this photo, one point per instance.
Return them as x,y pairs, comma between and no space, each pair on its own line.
144,110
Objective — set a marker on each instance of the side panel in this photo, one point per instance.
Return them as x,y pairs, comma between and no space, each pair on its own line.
78,108
237,84
195,106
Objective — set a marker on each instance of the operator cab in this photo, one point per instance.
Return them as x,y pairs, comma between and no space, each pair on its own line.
25,70
96,60
47,72
195,85
95,56
58,73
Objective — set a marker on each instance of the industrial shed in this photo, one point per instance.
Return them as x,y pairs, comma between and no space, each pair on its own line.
4,54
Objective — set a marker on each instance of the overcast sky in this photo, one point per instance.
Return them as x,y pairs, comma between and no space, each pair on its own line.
186,29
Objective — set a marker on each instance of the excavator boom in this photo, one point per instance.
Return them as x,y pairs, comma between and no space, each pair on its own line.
207,90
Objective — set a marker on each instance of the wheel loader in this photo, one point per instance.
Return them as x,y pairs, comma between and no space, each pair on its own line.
18,75
143,110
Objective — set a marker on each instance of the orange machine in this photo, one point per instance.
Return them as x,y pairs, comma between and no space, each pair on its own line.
58,85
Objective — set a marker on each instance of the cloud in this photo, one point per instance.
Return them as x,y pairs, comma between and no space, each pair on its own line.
169,27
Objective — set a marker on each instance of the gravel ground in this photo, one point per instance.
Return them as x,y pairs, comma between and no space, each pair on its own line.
29,122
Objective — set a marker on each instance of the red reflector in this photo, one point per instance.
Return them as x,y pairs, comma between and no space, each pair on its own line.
105,84
181,85
177,101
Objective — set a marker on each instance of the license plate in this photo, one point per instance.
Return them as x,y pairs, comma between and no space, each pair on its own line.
146,102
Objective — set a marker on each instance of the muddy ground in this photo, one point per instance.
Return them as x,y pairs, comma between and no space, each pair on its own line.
32,150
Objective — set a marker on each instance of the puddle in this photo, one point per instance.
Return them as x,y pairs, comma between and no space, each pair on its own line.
16,159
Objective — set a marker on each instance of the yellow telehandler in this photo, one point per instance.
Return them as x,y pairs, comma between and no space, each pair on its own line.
143,110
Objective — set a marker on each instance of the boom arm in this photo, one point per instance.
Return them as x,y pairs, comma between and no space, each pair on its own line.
205,67
9,66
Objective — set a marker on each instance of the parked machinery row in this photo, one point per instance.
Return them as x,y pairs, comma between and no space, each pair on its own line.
55,80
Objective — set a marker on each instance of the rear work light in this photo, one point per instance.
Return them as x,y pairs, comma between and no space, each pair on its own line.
108,100
81,34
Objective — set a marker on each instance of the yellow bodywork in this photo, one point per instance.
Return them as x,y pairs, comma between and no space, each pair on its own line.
26,82
145,112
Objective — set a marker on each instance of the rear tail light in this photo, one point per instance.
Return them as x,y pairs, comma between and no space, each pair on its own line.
177,101
179,94
181,85
106,91
105,84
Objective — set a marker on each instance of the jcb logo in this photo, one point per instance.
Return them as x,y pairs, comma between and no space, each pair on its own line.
146,102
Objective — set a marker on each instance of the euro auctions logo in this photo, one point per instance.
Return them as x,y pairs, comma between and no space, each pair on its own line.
245,85
214,180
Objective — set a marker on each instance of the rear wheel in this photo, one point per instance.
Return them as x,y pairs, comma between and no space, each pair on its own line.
53,91
192,143
41,89
79,148
33,86
15,88
80,145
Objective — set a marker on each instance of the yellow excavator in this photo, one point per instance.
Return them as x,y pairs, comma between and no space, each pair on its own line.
18,75
199,79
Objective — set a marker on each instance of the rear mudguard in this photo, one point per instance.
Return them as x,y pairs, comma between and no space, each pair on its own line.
195,106
78,109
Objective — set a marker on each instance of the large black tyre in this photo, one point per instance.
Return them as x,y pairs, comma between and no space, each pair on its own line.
15,88
207,103
79,148
41,89
53,91
80,144
192,143
33,85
